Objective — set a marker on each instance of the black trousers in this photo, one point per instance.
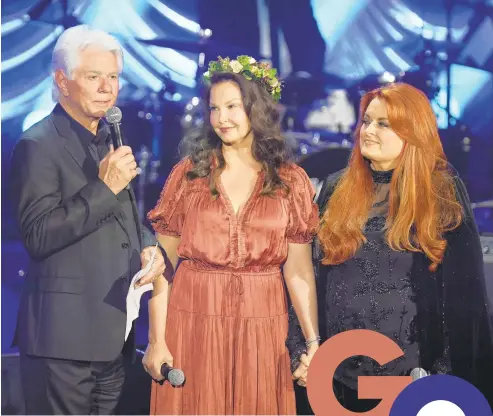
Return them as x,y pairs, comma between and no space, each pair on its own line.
67,387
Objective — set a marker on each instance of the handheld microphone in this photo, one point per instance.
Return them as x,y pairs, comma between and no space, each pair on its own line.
417,373
114,116
175,376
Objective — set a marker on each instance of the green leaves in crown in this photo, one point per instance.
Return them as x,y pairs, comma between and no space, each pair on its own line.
250,69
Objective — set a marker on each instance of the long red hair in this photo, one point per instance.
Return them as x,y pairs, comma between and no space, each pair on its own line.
422,199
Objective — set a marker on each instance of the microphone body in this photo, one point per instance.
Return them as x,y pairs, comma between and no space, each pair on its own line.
114,116
175,376
116,135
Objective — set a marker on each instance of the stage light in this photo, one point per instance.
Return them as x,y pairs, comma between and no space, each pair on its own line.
386,78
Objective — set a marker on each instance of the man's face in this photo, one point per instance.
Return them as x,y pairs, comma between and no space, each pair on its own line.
94,84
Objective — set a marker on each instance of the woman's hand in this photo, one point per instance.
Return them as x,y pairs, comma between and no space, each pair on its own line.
301,373
155,356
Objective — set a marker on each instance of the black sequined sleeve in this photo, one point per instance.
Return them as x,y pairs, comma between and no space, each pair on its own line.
295,341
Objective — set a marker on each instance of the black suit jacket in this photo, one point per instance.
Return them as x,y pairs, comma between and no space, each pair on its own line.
73,301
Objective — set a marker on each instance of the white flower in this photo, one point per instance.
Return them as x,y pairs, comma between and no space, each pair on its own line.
236,66
274,83
252,61
207,74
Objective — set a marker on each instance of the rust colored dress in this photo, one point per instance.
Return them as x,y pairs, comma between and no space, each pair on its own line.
227,318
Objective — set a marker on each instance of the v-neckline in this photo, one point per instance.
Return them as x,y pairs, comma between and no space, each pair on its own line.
242,207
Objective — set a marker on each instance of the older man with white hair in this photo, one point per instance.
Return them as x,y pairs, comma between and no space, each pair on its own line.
78,221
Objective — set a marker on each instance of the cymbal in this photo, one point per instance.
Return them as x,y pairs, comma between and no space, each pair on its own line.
334,81
417,47
201,46
435,12
325,79
180,45
415,44
482,204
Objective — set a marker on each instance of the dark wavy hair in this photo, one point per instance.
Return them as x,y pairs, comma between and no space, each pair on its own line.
269,148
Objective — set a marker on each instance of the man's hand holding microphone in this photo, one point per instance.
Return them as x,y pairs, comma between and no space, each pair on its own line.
118,168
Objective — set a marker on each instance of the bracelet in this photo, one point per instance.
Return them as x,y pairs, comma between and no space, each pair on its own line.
312,341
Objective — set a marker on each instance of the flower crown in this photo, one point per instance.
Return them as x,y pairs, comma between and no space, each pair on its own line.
250,69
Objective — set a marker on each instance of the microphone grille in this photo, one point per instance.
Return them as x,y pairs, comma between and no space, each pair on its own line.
113,115
176,377
417,373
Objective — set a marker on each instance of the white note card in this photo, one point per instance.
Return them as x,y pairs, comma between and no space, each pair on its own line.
134,294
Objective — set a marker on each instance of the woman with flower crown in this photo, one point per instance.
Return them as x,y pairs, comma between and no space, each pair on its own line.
241,218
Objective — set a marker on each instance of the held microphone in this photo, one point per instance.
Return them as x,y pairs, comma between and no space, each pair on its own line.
114,116
175,376
417,373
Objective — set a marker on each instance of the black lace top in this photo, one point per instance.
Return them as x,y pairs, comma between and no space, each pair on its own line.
373,290
439,319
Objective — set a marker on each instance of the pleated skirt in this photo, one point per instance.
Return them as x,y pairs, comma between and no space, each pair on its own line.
226,329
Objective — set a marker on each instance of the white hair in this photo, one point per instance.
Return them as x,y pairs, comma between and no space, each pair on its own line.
74,40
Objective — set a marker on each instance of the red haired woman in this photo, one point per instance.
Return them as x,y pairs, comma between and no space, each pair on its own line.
399,251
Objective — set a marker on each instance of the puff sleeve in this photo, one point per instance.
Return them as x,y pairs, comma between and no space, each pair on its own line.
168,215
303,212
